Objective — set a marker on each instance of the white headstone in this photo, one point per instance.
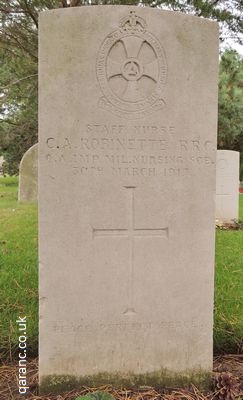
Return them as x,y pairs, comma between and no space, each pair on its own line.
227,185
127,183
28,175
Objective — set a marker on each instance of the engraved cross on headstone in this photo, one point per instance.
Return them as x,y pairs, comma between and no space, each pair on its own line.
131,233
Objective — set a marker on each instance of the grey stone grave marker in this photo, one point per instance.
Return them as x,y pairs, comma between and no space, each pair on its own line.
127,187
28,175
227,185
1,165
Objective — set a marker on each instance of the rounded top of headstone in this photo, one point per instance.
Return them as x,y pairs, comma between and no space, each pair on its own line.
226,156
97,9
28,171
31,151
228,152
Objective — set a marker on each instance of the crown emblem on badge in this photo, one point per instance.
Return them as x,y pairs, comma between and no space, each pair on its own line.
132,23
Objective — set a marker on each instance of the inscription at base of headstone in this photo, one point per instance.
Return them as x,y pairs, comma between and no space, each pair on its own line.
227,185
28,175
127,188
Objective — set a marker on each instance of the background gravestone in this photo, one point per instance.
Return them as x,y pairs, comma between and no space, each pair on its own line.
127,188
1,165
28,175
227,185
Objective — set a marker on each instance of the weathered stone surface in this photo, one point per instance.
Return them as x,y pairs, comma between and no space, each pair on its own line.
227,185
28,175
128,104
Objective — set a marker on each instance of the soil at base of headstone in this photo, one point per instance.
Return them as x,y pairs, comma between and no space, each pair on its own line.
227,226
9,385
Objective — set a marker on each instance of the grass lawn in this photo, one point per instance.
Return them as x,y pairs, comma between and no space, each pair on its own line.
228,316
241,207
19,277
18,266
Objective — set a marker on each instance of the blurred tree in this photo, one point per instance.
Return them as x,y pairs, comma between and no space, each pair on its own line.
230,120
19,56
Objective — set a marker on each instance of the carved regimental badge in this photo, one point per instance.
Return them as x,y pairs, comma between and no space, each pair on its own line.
131,69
